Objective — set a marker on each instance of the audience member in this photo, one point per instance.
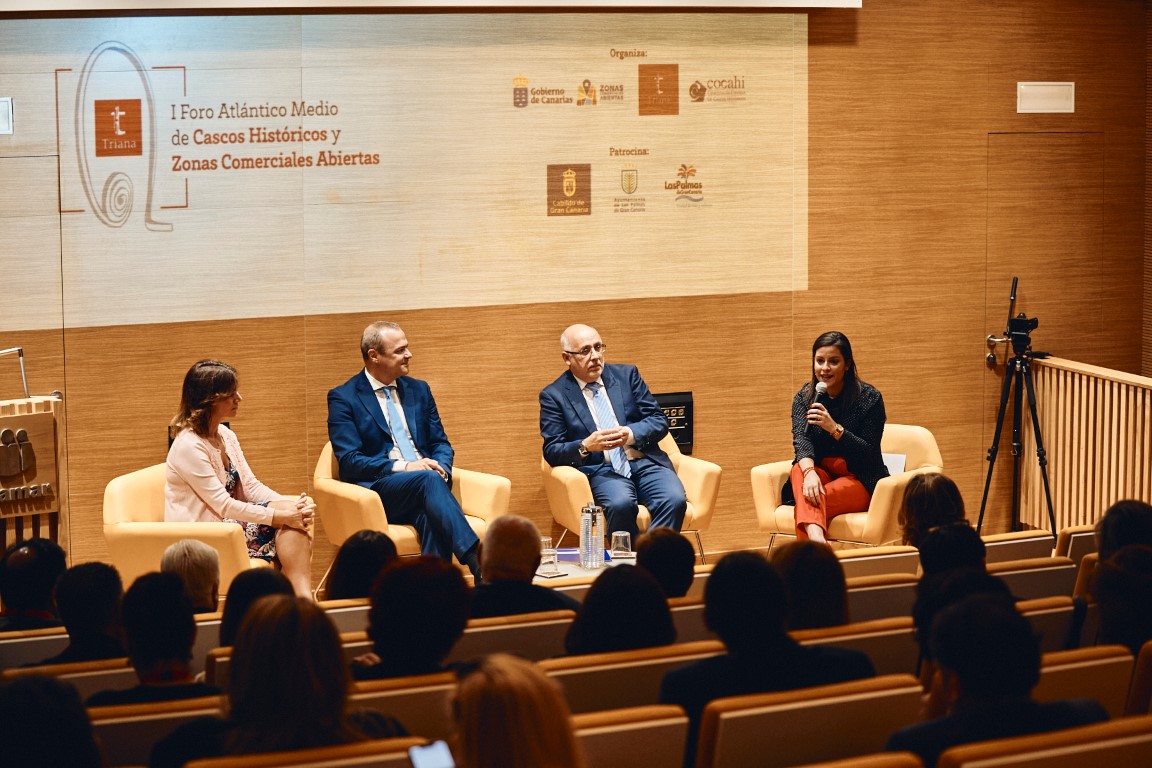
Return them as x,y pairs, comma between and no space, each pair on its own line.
931,499
989,663
624,609
669,557
814,584
745,604
287,689
358,562
509,714
1125,522
949,547
419,610
43,725
159,630
1124,596
88,599
248,587
198,566
509,557
28,573
934,593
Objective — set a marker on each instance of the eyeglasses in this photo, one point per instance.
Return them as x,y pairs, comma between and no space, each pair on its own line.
598,347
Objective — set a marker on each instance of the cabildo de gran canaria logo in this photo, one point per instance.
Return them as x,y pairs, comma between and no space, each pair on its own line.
111,129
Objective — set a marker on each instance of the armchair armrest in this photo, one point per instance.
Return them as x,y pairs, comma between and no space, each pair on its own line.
701,480
883,524
136,548
346,508
480,494
767,480
568,490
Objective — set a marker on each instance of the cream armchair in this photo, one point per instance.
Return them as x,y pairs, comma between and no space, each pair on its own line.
880,524
346,507
568,490
137,535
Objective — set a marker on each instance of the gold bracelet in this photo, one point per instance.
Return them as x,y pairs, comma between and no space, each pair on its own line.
806,471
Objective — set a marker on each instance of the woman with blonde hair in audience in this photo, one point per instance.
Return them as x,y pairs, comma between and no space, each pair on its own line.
208,479
930,500
509,714
287,689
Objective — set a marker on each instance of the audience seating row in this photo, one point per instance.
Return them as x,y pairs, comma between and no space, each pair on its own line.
600,685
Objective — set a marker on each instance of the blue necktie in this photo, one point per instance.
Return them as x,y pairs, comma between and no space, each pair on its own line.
607,418
396,422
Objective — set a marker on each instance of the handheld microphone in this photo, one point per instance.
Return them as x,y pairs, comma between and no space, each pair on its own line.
822,398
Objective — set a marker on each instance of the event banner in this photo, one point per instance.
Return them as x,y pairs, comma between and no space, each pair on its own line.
219,167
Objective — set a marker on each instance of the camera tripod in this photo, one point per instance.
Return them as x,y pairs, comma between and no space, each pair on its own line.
1017,377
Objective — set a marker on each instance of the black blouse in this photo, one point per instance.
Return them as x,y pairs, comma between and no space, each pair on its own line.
863,423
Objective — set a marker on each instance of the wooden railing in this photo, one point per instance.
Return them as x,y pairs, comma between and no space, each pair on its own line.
1096,424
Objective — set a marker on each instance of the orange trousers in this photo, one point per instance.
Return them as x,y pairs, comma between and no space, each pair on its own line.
842,493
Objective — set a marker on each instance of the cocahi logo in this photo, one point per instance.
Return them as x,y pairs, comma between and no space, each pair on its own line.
586,94
659,89
697,91
570,190
729,88
117,128
520,91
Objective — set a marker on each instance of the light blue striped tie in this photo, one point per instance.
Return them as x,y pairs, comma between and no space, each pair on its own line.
607,418
396,422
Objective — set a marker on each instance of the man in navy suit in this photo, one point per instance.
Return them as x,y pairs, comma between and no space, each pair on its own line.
602,420
387,436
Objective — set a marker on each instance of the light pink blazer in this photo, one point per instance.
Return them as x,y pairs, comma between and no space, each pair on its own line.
194,484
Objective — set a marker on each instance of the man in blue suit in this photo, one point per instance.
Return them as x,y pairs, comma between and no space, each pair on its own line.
602,420
387,436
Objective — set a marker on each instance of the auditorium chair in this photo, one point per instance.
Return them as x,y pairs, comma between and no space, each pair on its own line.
1075,541
652,736
1122,743
880,524
127,732
376,753
568,491
769,730
875,760
346,508
1100,672
137,534
1140,692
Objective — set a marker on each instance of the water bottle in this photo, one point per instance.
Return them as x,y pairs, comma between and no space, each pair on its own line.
591,536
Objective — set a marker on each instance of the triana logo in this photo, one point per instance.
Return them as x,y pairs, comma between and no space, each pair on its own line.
116,128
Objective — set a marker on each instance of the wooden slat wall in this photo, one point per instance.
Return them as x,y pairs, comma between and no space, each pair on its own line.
912,131
1096,426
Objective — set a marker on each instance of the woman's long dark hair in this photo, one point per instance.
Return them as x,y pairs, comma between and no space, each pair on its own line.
206,382
851,382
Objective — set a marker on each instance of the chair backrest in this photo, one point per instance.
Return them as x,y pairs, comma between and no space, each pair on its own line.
916,443
419,701
129,732
350,615
1123,743
623,678
327,468
889,643
882,596
1075,541
688,618
879,561
137,497
617,738
1101,672
1017,545
1037,576
531,636
88,677
877,760
29,646
377,753
1140,692
1053,620
795,727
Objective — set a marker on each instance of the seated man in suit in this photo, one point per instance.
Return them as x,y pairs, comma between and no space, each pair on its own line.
509,557
989,662
602,420
387,436
745,604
